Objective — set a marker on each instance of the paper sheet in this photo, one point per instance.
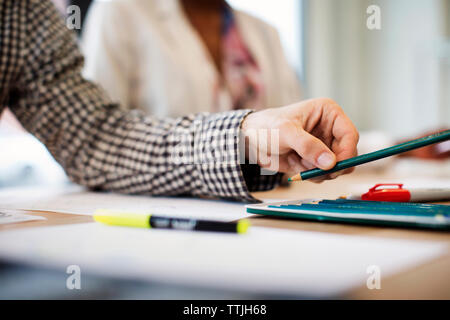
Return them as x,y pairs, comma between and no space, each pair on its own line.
304,264
75,200
7,217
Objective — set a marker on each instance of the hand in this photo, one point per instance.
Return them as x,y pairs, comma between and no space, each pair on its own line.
313,133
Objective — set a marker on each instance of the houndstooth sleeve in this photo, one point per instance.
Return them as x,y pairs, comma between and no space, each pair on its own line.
105,148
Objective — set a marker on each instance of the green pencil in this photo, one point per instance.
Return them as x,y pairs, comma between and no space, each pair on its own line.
372,156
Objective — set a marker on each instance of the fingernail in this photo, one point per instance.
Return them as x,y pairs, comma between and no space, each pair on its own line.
325,160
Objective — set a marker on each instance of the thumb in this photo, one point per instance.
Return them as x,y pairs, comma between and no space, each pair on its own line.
313,150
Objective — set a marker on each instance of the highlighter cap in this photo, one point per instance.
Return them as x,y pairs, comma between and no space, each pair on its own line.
377,193
242,226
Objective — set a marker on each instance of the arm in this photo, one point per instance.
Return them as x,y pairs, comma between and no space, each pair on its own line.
105,148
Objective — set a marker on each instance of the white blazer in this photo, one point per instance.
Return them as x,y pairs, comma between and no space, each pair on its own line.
148,56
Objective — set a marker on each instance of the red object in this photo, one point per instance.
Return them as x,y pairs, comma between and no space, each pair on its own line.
387,194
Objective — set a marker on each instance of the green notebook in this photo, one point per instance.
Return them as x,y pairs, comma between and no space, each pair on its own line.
398,214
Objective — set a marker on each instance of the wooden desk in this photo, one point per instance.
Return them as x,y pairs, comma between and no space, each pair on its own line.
429,281
52,219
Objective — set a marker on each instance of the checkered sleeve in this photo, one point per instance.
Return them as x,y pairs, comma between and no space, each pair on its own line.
105,148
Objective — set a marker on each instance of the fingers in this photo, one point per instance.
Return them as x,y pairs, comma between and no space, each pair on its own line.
292,163
312,150
297,164
314,134
346,147
315,152
346,138
282,164
287,164
345,141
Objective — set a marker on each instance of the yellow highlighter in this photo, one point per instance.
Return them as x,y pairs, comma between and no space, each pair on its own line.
125,219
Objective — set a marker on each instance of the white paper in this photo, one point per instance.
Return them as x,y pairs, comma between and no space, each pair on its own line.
7,217
304,264
77,201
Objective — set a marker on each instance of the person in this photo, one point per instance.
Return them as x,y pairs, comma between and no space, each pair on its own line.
174,57
105,148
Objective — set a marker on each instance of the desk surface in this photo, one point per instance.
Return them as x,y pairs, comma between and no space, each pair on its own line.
429,281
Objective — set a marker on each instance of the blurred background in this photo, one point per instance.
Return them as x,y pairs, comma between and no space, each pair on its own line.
394,83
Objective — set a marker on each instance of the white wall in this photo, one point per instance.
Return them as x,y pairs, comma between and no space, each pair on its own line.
395,79
285,16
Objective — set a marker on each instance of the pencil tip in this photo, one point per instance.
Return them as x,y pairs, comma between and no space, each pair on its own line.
297,177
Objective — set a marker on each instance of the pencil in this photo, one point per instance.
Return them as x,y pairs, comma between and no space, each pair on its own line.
376,155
